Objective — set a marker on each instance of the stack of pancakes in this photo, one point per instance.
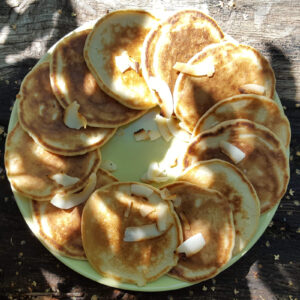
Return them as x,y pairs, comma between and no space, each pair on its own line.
100,77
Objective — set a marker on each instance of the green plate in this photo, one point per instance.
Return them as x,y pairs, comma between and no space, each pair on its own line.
132,159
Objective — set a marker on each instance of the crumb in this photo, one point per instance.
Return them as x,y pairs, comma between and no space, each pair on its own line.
291,192
60,11
298,230
260,266
20,254
290,213
17,273
268,244
282,228
297,105
290,283
14,27
291,157
23,242
73,14
213,288
231,4
284,107
204,288
298,153
235,291
287,197
7,82
276,256
5,199
290,262
271,224
214,281
94,297
19,263
34,283
221,4
297,171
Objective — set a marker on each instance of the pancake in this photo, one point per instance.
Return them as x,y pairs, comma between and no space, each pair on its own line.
72,81
41,116
265,164
258,109
234,185
116,32
177,39
235,66
60,229
206,212
108,214
29,167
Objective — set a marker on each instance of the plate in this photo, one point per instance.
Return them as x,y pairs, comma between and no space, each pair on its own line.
132,159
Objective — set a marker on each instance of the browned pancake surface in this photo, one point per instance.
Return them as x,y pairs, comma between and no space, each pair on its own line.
71,81
41,116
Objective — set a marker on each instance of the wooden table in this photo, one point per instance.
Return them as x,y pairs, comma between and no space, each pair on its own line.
271,269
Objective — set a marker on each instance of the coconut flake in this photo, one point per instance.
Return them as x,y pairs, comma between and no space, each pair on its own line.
192,245
177,131
252,88
154,198
141,190
162,210
185,221
109,165
141,135
177,201
166,195
70,200
164,92
205,68
64,179
162,125
72,118
127,211
140,233
154,135
124,62
233,152
155,174
145,209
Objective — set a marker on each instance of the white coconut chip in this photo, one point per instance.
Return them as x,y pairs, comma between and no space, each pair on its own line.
141,135
162,125
233,152
64,179
162,214
141,233
140,190
72,118
154,134
109,165
166,195
252,88
205,68
127,210
186,223
124,62
164,92
70,200
192,245
177,131
145,209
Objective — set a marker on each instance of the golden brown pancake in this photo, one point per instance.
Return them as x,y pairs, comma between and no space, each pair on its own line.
265,164
41,116
107,215
258,109
71,81
224,177
235,66
177,39
29,167
60,229
116,32
207,212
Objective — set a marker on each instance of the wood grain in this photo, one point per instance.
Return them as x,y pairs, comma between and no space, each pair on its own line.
270,270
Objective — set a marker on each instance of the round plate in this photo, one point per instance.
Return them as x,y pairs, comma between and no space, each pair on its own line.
132,159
